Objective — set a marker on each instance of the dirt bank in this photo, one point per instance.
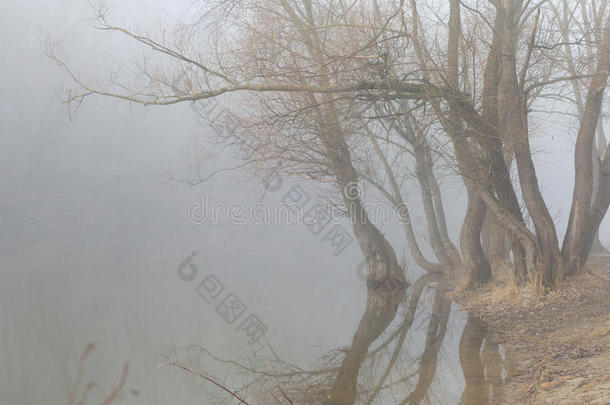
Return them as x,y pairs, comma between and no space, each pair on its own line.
560,342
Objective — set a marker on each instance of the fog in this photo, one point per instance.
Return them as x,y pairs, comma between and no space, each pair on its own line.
94,225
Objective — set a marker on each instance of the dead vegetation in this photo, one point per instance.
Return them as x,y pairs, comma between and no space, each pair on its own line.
561,340
84,393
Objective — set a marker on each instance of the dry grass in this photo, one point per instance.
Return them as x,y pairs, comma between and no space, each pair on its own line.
563,337
500,292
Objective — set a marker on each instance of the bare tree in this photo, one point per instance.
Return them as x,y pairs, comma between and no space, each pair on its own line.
579,42
407,139
479,75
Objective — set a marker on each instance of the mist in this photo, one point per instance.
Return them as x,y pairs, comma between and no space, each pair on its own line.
96,238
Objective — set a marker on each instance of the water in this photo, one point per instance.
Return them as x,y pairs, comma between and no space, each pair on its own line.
126,278
410,346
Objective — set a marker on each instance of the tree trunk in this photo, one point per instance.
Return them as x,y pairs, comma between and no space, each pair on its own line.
423,177
507,196
549,256
477,265
584,217
515,226
514,122
498,145
479,270
416,252
495,242
599,207
597,246
598,156
382,265
440,211
403,211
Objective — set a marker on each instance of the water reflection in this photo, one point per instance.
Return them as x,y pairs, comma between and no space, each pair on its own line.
401,353
486,365
437,328
381,308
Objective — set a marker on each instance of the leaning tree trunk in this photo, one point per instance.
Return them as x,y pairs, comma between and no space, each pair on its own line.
514,120
596,246
495,242
423,177
506,194
598,147
599,207
382,265
442,246
440,210
479,269
497,145
474,258
477,265
403,211
549,256
418,256
598,156
585,216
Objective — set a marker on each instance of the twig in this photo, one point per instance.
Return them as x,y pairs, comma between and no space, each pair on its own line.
81,369
117,390
208,379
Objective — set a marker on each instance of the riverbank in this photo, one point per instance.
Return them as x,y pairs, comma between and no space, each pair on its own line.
560,343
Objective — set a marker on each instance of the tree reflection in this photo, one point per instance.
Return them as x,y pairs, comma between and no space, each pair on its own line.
483,365
378,368
434,339
381,308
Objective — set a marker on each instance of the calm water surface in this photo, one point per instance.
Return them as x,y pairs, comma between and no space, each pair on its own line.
149,292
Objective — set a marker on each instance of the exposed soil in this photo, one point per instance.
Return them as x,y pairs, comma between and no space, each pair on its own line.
560,343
